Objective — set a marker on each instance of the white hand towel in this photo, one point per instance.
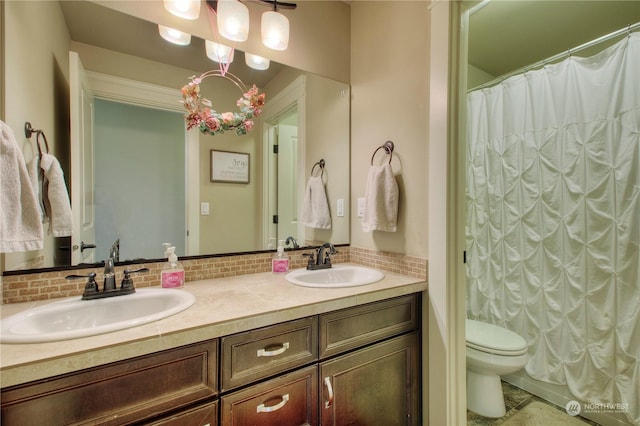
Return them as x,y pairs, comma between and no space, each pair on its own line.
52,193
20,224
315,208
381,200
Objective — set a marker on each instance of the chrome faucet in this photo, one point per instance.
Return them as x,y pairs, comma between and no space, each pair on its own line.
292,240
322,257
114,253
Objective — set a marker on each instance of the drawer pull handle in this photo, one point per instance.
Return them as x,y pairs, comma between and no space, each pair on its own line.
270,351
264,409
327,383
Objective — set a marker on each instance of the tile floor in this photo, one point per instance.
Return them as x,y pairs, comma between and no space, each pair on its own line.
516,399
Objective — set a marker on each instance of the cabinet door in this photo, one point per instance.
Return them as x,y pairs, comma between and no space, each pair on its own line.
124,392
378,385
291,399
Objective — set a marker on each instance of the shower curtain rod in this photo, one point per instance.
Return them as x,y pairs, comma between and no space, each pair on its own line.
626,30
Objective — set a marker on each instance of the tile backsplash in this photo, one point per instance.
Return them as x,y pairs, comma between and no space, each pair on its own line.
51,285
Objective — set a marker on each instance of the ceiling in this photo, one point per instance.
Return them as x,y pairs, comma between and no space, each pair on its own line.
506,35
100,26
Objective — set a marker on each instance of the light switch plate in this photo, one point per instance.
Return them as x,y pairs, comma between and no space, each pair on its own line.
340,207
360,207
204,209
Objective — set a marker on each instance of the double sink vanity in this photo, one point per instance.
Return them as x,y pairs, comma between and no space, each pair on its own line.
337,346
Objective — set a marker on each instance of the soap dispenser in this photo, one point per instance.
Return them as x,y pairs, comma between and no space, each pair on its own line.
280,261
172,275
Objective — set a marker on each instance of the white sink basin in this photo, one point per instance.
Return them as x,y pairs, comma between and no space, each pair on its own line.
73,318
336,276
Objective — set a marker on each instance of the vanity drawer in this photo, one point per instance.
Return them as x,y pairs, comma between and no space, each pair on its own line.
203,415
351,328
256,354
291,399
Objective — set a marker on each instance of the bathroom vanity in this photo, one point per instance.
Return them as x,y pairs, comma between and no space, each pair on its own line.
253,349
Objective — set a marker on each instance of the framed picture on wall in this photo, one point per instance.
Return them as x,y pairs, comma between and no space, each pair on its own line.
229,167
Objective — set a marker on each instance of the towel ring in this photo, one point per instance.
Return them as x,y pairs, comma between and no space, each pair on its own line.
46,144
29,131
388,147
319,164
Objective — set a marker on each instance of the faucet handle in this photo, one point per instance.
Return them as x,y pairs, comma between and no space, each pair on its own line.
127,282
311,259
91,287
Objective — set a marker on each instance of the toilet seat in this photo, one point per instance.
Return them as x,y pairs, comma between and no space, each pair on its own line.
493,339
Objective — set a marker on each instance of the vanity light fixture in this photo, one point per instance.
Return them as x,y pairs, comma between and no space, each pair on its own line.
174,36
219,52
275,29
187,9
256,62
233,20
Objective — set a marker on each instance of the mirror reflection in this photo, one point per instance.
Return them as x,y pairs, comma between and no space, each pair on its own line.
149,181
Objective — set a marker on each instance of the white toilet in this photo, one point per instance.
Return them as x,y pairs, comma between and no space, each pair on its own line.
492,351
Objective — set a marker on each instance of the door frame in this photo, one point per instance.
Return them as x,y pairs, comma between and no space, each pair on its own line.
292,96
148,95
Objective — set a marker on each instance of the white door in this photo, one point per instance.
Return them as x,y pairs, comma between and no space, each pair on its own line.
82,160
287,181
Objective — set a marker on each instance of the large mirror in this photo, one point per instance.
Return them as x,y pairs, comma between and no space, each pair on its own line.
147,180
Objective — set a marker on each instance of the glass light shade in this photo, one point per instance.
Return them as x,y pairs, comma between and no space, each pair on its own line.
275,30
256,62
233,20
219,52
187,9
174,36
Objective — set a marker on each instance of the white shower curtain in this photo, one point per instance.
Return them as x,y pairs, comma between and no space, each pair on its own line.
553,222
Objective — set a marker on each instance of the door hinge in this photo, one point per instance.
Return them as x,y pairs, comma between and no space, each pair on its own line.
275,149
464,256
275,218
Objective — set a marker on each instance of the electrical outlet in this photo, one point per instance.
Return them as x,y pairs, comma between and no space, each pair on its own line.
204,209
360,207
340,207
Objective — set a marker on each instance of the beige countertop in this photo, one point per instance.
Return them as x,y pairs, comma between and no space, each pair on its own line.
223,306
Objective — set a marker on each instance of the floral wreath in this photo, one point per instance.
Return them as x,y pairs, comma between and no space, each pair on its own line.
200,112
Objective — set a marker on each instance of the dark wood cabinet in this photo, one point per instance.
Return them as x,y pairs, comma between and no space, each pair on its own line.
121,393
202,415
358,366
378,385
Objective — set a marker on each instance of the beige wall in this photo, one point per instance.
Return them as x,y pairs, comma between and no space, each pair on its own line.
327,112
389,93
36,42
232,224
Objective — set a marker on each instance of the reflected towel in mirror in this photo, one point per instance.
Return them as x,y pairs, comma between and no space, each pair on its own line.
51,191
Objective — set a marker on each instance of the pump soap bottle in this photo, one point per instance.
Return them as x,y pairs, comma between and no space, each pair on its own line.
280,261
172,275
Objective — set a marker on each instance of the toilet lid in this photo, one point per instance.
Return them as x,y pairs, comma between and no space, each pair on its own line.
491,338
